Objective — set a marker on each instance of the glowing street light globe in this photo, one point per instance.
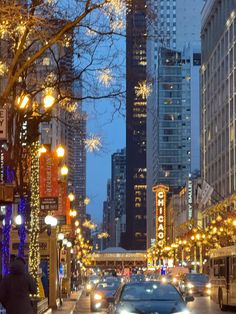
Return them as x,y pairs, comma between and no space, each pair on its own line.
60,236
48,101
71,197
18,220
42,150
64,170
69,244
54,222
48,219
23,101
64,241
60,151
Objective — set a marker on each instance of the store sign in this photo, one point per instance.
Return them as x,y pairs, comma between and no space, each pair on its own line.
62,197
48,175
49,203
3,124
160,191
190,199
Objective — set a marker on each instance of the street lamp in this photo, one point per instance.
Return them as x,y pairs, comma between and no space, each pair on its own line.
23,101
64,170
48,101
60,151
50,221
71,197
18,220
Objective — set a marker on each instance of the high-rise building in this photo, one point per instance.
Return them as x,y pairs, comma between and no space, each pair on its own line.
135,127
118,194
173,114
69,128
108,221
114,206
218,89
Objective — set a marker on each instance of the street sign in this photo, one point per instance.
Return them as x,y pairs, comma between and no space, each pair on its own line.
49,203
3,124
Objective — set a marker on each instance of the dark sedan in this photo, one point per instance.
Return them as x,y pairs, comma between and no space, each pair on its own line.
195,284
102,294
149,298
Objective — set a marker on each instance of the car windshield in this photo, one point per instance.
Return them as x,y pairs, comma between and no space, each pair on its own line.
202,278
149,291
108,285
137,277
93,278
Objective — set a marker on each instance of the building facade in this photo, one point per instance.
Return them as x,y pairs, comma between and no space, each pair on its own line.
118,194
108,220
173,109
218,151
135,127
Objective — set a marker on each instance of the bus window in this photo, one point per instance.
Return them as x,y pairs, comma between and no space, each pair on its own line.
234,268
219,267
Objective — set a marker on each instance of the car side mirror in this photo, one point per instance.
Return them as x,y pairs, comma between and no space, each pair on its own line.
189,298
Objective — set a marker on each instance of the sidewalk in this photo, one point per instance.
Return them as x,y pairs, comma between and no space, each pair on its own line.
69,304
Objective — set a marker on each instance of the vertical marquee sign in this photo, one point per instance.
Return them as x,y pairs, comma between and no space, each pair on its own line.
160,192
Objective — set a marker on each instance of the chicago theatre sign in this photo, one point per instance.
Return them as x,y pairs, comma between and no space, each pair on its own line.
160,192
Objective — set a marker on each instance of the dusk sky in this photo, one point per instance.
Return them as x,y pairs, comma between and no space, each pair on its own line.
112,134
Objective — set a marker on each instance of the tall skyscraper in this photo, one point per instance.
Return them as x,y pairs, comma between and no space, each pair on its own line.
108,221
218,89
118,194
135,127
173,118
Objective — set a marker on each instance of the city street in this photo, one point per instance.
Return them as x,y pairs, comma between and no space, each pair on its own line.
199,306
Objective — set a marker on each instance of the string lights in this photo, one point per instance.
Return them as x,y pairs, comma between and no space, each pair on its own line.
34,253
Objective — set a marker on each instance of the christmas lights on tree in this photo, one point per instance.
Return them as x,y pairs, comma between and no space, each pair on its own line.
34,254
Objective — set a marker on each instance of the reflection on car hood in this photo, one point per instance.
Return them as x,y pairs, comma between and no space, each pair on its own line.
151,307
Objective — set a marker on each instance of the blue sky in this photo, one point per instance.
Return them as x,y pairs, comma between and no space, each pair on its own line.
112,134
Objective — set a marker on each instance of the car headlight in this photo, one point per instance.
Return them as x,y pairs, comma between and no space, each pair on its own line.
97,297
125,312
89,286
174,280
208,286
190,285
164,280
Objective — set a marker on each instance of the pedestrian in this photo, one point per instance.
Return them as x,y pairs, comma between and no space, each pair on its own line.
16,287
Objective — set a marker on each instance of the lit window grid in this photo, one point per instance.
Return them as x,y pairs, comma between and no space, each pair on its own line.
218,125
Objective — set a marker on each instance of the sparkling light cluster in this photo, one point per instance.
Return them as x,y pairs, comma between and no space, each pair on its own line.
93,143
89,224
116,10
105,77
103,235
34,253
143,90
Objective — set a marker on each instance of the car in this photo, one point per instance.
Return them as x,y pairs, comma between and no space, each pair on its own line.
149,298
102,294
90,284
195,284
137,278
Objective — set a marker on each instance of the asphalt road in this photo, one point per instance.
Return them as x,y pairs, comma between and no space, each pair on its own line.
201,305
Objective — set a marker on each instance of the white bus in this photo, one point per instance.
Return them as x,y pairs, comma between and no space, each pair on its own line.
223,276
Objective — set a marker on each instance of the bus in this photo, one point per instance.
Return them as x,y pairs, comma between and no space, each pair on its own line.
223,276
